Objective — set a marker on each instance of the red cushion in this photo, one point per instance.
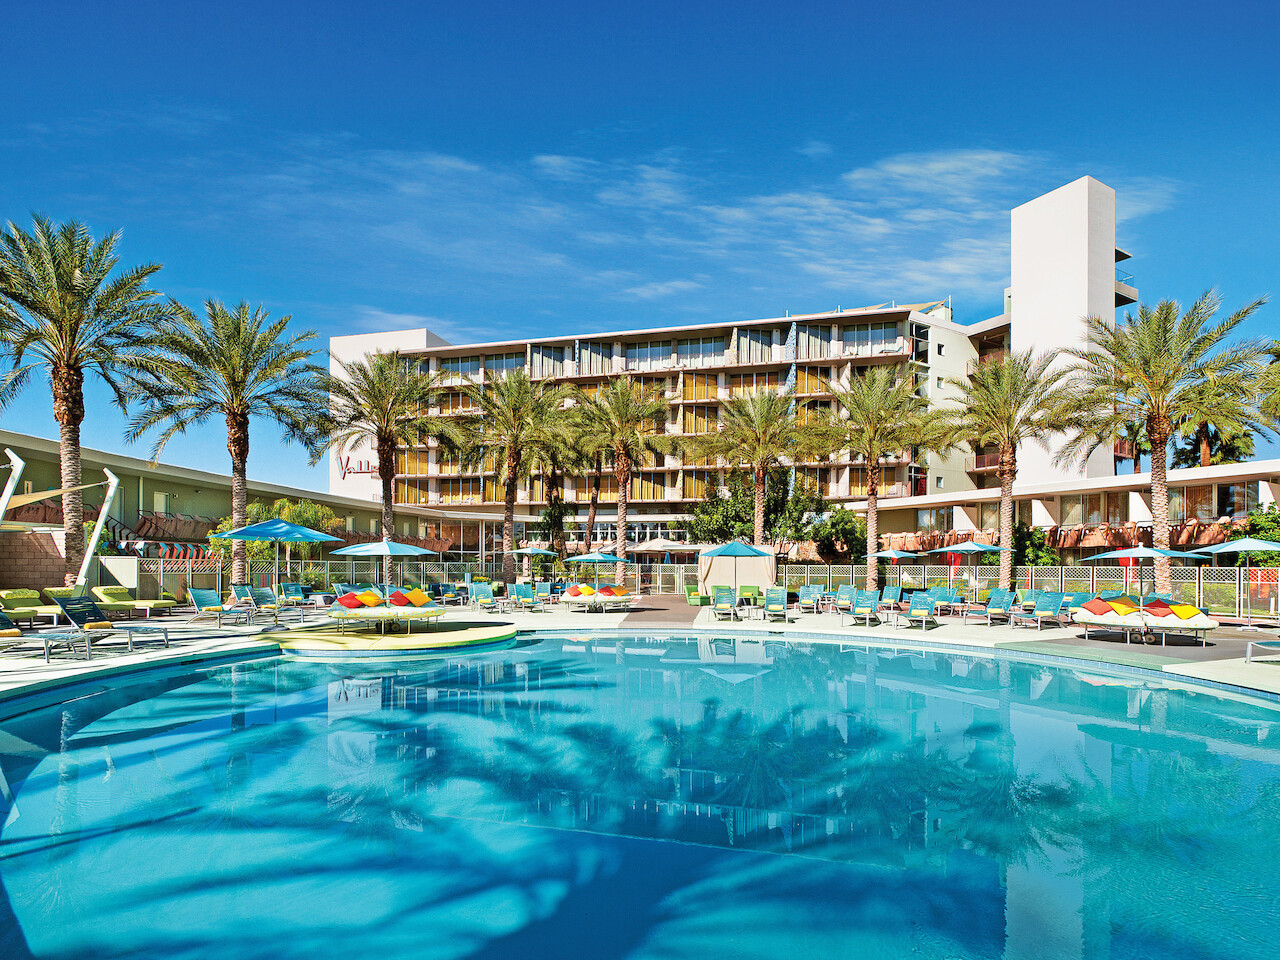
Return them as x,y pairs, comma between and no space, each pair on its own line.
1162,605
573,591
399,599
605,591
1097,606
350,600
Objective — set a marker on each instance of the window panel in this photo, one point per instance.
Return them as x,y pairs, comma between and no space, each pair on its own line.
813,342
813,380
499,363
700,351
649,486
1237,499
700,419
460,366
701,386
755,346
546,361
745,384
595,359
648,356
1186,503
695,484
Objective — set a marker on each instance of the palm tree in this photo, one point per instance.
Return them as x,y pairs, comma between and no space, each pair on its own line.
1007,402
61,310
381,401
236,364
1135,434
520,422
879,413
627,420
1167,369
760,430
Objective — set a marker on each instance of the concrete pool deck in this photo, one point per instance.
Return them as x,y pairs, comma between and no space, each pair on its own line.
24,672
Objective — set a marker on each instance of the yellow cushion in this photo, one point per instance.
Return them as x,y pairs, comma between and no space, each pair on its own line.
211,609
1120,606
370,598
586,591
100,625
417,597
1184,611
11,633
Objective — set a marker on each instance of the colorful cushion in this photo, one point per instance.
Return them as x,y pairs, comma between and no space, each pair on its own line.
586,591
1184,611
605,591
1097,606
398,599
370,598
417,597
14,632
1158,607
99,625
1122,606
574,591
351,601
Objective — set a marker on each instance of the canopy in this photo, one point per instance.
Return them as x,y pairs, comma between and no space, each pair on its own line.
894,555
595,558
281,531
534,552
382,548
739,564
663,545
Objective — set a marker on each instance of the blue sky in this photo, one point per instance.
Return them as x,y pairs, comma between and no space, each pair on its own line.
509,169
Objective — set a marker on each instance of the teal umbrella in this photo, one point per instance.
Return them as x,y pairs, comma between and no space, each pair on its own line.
279,531
1245,545
534,552
972,550
382,548
894,555
596,558
736,549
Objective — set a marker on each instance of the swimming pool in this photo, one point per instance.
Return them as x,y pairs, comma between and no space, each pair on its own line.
642,797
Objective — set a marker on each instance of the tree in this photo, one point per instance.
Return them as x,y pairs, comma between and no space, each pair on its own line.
520,422
1030,549
381,401
628,421
788,510
1135,434
1207,445
306,513
236,364
880,413
1263,523
760,430
841,535
63,311
1007,402
1167,369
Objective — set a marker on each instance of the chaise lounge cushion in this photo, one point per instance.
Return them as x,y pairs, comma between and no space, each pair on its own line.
1097,606
398,599
573,591
370,598
418,598
350,601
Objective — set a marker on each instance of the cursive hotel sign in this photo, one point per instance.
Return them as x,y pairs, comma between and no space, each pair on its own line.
346,467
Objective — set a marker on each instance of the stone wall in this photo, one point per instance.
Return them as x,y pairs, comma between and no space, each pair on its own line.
34,560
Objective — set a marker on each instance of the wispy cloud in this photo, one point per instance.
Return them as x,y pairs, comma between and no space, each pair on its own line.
367,319
657,289
814,149
1142,196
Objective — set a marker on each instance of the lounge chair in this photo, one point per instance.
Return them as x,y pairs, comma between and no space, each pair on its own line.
293,594
580,598
482,597
999,604
921,608
1119,614
948,598
108,597
694,598
11,636
542,591
810,596
725,606
1027,600
209,604
91,623
1265,644
775,604
444,593
890,597
1165,618
24,604
420,606
863,607
108,607
1047,607
750,594
523,598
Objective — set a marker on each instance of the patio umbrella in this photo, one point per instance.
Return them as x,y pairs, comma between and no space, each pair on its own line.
278,531
533,552
738,551
1245,545
972,550
595,558
381,548
894,555
1138,554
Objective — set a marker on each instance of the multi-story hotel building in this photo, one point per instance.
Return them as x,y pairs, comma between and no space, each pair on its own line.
1063,268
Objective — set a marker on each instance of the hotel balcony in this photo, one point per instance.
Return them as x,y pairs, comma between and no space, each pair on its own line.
982,463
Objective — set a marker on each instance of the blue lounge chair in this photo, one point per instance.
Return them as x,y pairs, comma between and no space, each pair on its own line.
92,624
845,596
921,609
542,590
864,605
999,604
810,595
209,604
523,598
775,604
890,597
482,597
725,604
1047,607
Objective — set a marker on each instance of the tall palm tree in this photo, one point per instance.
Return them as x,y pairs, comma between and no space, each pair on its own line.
1007,402
63,311
237,364
879,413
1167,369
381,400
627,420
760,430
520,422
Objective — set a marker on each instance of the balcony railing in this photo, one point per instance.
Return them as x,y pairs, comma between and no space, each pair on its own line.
982,463
1123,449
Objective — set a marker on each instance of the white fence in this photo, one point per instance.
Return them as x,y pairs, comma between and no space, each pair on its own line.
1220,589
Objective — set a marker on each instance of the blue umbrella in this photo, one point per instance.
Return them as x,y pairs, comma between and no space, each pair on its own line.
1245,545
279,531
968,547
596,557
736,549
894,555
534,552
382,548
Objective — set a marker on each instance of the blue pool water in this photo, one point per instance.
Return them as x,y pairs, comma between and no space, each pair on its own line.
642,798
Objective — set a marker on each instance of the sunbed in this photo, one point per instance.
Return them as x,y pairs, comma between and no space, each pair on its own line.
1047,607
54,594
482,597
694,598
725,605
1165,618
862,606
25,604
920,608
1119,614
542,591
11,636
999,604
209,604
810,596
120,595
92,624
612,596
775,604
523,598
1248,650
418,606
890,597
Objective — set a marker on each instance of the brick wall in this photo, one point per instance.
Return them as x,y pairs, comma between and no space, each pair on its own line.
35,560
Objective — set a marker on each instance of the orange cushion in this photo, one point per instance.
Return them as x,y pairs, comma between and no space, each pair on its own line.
574,591
1097,606
351,601
417,597
370,598
620,591
398,599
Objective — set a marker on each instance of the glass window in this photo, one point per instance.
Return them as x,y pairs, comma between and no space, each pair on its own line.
858,481
812,410
700,386
1237,499
755,346
935,520
649,486
813,380
546,361
1117,507
411,491
1186,503
866,339
468,489
743,384
455,402
460,366
1079,509
648,356
500,363
700,351
700,419
595,359
695,484
812,480
813,342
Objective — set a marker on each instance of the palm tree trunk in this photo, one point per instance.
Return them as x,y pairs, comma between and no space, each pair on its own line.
1202,434
1137,458
387,474
1008,471
873,527
760,478
622,470
509,522
68,410
1158,432
238,447
590,530
555,509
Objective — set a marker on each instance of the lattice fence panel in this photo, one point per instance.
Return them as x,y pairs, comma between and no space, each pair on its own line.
1220,590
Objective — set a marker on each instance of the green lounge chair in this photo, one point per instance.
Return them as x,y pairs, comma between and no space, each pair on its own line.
24,604
694,598
751,594
108,597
